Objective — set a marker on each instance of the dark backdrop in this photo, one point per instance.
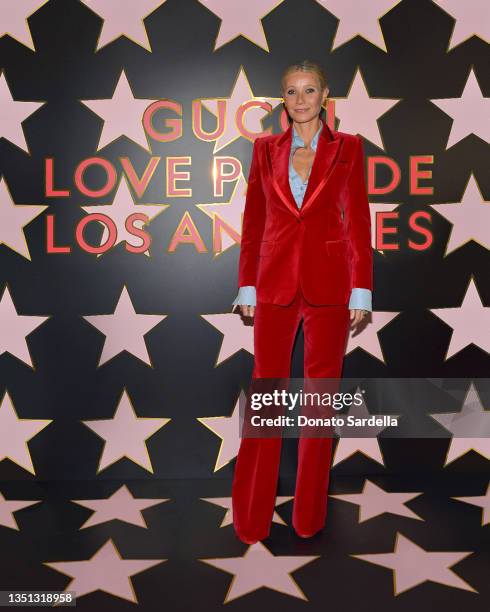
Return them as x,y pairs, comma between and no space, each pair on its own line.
183,383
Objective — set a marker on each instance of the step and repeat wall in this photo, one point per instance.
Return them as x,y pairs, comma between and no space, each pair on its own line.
126,132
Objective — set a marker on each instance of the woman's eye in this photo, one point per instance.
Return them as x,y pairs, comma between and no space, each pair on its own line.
291,91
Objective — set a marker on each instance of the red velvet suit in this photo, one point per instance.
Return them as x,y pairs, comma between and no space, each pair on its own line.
304,263
282,244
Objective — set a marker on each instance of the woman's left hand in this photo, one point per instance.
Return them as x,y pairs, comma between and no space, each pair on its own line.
357,316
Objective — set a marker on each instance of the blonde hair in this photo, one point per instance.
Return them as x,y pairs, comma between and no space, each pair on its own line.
306,66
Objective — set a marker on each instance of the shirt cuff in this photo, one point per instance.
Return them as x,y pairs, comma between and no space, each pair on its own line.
246,296
361,299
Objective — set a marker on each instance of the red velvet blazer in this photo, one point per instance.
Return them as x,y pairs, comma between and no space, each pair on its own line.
326,244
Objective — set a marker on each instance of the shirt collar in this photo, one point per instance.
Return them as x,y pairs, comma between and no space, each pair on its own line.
299,142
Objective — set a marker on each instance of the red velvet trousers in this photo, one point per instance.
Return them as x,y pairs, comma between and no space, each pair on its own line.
325,330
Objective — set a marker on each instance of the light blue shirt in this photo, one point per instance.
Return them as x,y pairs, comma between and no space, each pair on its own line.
360,297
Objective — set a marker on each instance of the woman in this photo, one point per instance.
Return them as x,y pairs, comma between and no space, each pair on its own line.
306,255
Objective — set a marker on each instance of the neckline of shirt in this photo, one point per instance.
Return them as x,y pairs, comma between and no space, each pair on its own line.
298,142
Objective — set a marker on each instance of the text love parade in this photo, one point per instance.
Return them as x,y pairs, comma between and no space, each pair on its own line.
383,176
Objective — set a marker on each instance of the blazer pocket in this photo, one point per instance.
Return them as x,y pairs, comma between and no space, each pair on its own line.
266,248
339,246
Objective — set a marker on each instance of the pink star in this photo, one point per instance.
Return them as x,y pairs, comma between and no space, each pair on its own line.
14,329
122,115
252,119
13,114
471,18
359,18
460,446
226,503
228,429
236,335
482,501
260,568
375,501
15,433
240,18
8,507
368,446
346,447
106,571
13,20
368,338
121,505
469,112
13,219
470,218
121,208
227,214
413,565
125,435
359,112
123,18
470,322
124,329
472,420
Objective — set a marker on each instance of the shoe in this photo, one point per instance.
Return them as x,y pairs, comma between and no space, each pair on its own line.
307,535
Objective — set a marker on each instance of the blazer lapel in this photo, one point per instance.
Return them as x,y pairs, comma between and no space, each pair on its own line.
326,154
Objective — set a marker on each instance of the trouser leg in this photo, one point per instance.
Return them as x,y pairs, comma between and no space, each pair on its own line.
257,465
325,331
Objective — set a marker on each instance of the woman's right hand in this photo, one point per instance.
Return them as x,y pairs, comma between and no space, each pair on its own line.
247,311
246,299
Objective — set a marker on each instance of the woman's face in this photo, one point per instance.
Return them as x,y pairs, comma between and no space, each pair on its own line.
303,96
